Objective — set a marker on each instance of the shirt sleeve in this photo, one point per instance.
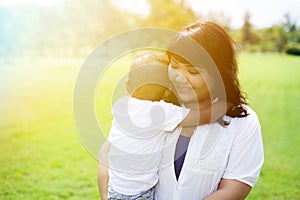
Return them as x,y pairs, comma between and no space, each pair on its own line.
141,116
246,155
173,115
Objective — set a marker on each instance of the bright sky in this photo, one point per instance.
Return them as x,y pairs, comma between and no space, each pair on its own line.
263,12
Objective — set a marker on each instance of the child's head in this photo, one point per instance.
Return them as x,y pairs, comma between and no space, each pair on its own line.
148,76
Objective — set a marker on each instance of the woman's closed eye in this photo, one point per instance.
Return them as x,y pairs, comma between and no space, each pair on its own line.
173,66
195,71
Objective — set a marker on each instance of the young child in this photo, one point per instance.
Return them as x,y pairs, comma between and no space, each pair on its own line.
140,123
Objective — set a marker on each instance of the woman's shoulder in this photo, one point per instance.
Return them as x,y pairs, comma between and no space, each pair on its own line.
250,115
247,123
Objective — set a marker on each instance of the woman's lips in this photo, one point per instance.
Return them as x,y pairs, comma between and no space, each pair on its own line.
183,88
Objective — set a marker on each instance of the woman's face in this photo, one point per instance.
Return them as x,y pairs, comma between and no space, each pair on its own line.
192,85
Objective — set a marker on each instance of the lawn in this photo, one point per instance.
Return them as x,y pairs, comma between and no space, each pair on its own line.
273,87
42,156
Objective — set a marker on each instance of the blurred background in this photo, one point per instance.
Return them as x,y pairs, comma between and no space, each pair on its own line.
43,45
65,28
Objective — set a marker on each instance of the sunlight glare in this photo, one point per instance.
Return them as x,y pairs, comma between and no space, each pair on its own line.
140,7
31,2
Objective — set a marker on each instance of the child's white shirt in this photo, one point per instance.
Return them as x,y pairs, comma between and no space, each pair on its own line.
137,137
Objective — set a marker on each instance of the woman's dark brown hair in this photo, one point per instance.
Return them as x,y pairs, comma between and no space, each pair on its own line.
222,50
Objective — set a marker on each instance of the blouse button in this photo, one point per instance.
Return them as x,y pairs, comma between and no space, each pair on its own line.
201,162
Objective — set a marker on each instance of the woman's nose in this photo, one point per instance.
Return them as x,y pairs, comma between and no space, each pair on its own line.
180,78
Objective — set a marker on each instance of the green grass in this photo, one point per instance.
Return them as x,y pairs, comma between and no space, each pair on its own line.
42,156
273,86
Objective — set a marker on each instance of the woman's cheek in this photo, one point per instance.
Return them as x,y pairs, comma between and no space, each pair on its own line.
172,74
209,81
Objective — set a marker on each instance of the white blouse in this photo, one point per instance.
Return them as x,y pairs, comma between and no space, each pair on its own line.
214,152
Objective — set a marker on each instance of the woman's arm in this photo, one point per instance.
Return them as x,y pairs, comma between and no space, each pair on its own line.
230,189
103,175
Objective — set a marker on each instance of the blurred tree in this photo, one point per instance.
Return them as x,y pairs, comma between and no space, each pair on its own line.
87,23
273,38
169,14
270,39
290,26
59,31
293,36
248,36
292,29
182,3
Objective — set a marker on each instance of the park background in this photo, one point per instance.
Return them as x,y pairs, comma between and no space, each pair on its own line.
43,46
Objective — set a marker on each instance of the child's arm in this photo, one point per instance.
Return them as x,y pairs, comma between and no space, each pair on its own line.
207,115
103,171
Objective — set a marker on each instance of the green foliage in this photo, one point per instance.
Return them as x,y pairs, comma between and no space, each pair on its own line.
293,51
270,39
248,36
66,30
273,39
78,26
55,30
292,46
292,29
169,14
90,22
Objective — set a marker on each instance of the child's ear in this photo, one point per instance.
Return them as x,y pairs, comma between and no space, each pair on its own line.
167,93
128,86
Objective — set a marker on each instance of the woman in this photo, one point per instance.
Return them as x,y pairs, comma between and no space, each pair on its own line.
211,161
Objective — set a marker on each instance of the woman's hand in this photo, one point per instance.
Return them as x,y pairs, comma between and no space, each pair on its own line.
230,189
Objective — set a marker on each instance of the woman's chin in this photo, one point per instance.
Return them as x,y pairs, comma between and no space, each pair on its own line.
186,98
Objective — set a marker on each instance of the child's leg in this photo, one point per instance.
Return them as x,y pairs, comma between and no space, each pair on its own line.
146,195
